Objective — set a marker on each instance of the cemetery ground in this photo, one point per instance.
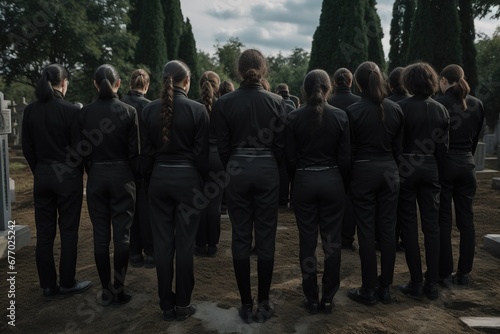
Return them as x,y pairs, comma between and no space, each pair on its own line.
216,293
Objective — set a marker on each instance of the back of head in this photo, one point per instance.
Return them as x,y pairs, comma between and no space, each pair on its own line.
317,87
396,80
420,79
106,77
282,89
139,79
209,84
174,74
225,87
252,66
454,74
52,76
371,81
342,77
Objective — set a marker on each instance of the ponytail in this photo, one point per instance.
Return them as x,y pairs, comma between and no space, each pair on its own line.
455,74
167,108
317,86
377,90
52,76
105,90
209,84
461,90
139,79
106,77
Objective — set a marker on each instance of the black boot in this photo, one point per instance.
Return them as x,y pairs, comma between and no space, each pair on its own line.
363,295
412,290
265,273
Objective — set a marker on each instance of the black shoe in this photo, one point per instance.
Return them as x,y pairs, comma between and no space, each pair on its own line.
169,315
121,298
312,306
412,290
79,287
446,282
136,261
430,290
265,311
363,296
149,262
246,313
52,293
200,251
384,294
106,297
211,250
182,313
326,306
462,280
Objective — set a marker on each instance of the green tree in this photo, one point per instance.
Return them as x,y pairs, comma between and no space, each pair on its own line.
290,70
401,23
467,37
151,48
188,55
484,7
435,36
340,39
375,34
228,55
488,65
173,25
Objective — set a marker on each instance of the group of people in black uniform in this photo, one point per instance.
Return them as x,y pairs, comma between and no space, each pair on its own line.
157,173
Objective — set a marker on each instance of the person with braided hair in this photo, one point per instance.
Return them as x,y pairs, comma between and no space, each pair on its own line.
458,181
208,234
109,127
377,130
250,137
175,146
318,153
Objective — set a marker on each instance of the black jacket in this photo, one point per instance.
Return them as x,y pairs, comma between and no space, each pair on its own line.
188,136
136,100
50,133
251,118
465,125
343,97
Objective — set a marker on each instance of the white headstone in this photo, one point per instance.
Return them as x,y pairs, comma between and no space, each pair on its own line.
489,141
5,211
480,156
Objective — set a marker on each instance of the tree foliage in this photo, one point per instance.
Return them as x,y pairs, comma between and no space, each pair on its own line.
401,24
375,34
484,7
173,25
290,70
227,55
467,38
187,53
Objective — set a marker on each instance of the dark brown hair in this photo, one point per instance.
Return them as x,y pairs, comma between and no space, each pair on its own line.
396,81
209,85
174,73
139,79
342,76
420,79
52,76
371,81
455,74
225,87
317,86
106,77
252,66
282,89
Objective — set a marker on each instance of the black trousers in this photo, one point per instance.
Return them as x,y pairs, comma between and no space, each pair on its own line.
420,184
57,202
141,237
111,196
284,191
374,197
457,183
318,202
175,216
348,223
213,191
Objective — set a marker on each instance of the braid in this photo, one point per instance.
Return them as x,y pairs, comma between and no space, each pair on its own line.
167,108
207,95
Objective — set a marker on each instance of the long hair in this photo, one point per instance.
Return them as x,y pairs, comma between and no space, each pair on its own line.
420,79
174,73
52,76
209,85
225,87
252,66
396,81
371,81
139,79
317,86
341,77
454,73
106,77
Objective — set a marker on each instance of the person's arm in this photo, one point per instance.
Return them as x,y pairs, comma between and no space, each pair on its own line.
223,133
279,133
28,143
134,141
344,152
480,111
201,144
290,146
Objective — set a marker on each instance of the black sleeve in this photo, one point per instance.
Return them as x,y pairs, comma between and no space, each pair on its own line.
201,145
147,152
223,133
442,143
397,143
344,153
279,133
290,146
475,139
28,144
134,141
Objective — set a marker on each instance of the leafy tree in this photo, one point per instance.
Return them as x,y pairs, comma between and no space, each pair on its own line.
484,7
375,34
467,37
401,23
290,70
173,25
488,89
340,39
228,55
187,53
151,48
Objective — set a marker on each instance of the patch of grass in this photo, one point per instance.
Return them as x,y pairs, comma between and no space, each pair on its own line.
17,166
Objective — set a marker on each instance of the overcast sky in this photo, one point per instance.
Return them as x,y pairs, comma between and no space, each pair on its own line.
271,26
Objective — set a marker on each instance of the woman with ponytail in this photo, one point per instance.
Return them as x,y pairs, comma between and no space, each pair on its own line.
175,147
50,133
376,132
208,234
458,181
110,138
250,138
141,238
425,143
318,153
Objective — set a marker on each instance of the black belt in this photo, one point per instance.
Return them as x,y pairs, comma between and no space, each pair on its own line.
454,150
242,152
176,164
317,168
109,163
418,154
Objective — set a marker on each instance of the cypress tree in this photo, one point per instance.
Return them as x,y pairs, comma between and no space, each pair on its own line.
151,49
340,39
134,13
187,53
375,34
173,25
467,37
401,23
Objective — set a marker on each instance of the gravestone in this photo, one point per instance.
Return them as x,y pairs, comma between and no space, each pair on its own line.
5,198
489,142
480,156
